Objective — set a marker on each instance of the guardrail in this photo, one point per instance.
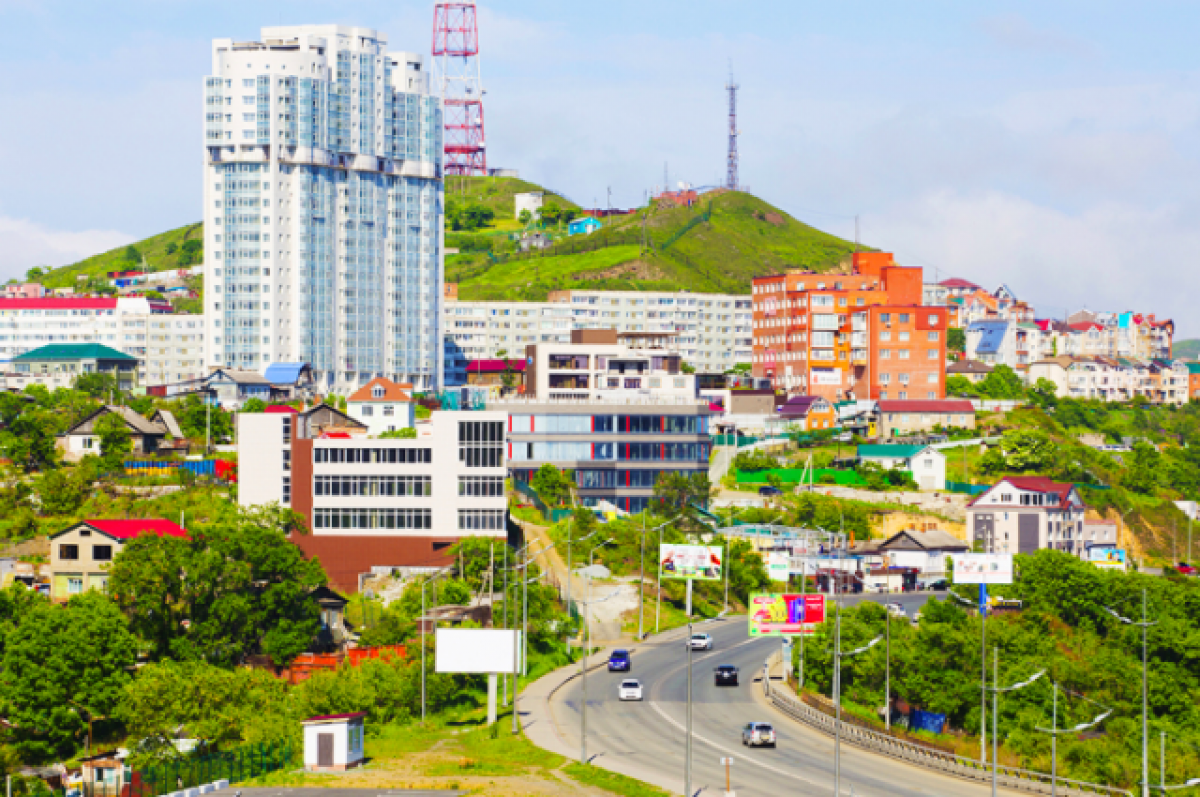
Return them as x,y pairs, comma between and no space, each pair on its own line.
928,757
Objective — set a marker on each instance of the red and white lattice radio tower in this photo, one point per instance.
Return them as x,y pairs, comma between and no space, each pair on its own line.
456,42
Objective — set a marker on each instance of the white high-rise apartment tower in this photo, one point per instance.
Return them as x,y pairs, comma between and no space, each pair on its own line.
323,207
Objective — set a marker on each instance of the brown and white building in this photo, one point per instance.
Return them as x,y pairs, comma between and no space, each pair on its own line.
1023,514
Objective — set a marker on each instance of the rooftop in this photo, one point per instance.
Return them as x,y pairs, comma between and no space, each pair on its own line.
73,351
932,405
889,450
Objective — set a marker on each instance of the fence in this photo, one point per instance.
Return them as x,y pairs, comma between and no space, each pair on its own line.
553,515
796,475
213,468
921,755
967,488
686,228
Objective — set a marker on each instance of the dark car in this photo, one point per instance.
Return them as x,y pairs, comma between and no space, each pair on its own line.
726,675
619,661
941,585
769,491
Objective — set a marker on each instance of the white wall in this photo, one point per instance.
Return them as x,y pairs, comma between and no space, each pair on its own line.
343,755
260,457
378,421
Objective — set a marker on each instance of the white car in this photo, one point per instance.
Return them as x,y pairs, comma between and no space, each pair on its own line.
630,689
758,734
896,610
701,642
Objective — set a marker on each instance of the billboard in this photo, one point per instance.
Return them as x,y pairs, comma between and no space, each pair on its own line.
773,614
825,376
983,568
779,566
477,650
699,562
1107,557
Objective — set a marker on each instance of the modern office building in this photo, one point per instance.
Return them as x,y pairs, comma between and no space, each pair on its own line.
602,364
376,503
711,332
323,207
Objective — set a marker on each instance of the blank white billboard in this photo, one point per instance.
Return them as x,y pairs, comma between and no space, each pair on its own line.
477,650
983,568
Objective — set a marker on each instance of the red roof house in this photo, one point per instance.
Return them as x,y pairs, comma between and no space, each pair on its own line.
81,555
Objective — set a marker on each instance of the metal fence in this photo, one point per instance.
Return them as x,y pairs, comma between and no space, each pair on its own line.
876,741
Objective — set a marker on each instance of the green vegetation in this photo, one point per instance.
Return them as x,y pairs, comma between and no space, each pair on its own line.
1186,349
1063,629
176,248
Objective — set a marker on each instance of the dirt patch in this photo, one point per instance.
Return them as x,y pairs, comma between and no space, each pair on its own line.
634,269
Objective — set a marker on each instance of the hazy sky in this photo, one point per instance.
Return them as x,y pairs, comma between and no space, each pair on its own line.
1050,146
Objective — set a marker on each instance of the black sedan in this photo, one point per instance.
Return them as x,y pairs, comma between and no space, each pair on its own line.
726,675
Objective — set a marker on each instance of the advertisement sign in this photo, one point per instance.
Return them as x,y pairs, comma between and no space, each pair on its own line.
779,565
773,614
700,562
826,376
983,568
1107,557
477,650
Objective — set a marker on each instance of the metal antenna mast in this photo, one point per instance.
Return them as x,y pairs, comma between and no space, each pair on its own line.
456,42
731,167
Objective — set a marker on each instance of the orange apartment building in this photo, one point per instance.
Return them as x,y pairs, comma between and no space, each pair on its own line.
860,335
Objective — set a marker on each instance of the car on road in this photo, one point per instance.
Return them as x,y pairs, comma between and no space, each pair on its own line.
726,675
630,689
896,610
769,491
619,661
941,585
700,642
1186,569
758,734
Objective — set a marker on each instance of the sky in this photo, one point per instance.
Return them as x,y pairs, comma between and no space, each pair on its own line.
1052,147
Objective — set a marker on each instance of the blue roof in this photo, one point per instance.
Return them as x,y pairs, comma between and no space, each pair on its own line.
284,373
993,335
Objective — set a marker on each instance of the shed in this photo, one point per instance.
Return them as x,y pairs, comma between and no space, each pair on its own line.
586,225
334,742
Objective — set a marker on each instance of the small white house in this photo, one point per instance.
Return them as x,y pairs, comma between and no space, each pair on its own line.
334,742
383,405
927,464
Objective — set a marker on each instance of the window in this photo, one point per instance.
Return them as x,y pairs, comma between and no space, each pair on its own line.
903,378
903,355
287,490
885,318
287,429
680,381
931,354
102,553
885,335
377,392
933,320
68,553
389,411
372,519
387,486
368,411
392,456
481,443
932,336
885,379
903,318
481,519
481,486
74,585
903,336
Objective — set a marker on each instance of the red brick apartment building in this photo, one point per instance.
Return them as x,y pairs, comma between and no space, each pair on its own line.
863,335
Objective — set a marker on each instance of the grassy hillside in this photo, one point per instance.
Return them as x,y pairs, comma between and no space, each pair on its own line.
157,253
1186,349
718,246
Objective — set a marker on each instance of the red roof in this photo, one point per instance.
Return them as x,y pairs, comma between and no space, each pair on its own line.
1084,326
128,529
948,405
335,436
493,366
1035,484
58,304
955,282
280,409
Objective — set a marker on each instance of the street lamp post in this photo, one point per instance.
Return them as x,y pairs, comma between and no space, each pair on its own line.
996,690
837,699
570,572
642,577
1144,625
587,604
1055,731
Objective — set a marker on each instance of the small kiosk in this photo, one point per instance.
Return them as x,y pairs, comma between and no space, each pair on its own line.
334,742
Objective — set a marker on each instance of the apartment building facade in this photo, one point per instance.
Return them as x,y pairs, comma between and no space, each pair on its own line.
1114,379
865,335
1026,514
600,364
376,503
323,207
711,332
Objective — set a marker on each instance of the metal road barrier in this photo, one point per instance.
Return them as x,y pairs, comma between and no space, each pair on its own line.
920,755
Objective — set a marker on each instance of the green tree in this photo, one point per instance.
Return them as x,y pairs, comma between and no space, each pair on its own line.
236,588
61,492
254,405
1002,383
551,485
956,340
96,385
65,669
525,217
960,386
1044,393
29,440
1142,467
115,440
407,433
191,252
1028,450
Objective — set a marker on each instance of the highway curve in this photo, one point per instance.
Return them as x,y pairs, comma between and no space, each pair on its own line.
646,740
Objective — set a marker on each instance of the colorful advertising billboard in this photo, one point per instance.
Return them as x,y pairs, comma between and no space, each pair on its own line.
773,614
1107,557
699,562
983,568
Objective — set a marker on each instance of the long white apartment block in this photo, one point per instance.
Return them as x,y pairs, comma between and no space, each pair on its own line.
323,207
169,345
710,331
376,503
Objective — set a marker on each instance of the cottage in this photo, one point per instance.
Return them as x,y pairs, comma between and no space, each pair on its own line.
808,412
910,417
971,370
1023,514
290,381
922,552
926,463
80,555
233,388
382,406
60,364
147,435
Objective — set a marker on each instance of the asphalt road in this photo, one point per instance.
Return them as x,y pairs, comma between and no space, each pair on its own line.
646,739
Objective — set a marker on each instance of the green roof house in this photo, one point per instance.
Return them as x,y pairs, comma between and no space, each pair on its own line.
58,364
927,464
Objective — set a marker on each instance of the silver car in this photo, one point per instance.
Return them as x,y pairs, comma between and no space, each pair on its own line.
758,734
701,642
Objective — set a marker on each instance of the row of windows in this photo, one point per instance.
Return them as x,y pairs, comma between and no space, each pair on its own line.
372,519
477,432
490,457
578,452
601,479
489,519
70,553
373,485
481,486
587,424
391,456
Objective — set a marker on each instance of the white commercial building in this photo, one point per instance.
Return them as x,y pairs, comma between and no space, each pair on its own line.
712,332
323,207
169,345
597,366
373,502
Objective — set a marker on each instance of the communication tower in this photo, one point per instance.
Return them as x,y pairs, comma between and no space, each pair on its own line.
731,166
456,44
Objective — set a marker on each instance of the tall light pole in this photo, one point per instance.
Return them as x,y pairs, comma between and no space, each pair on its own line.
642,575
1055,731
837,700
525,610
996,690
570,572
1144,624
587,604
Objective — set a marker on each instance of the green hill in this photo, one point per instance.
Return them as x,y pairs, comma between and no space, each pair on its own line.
1186,349
717,246
173,249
